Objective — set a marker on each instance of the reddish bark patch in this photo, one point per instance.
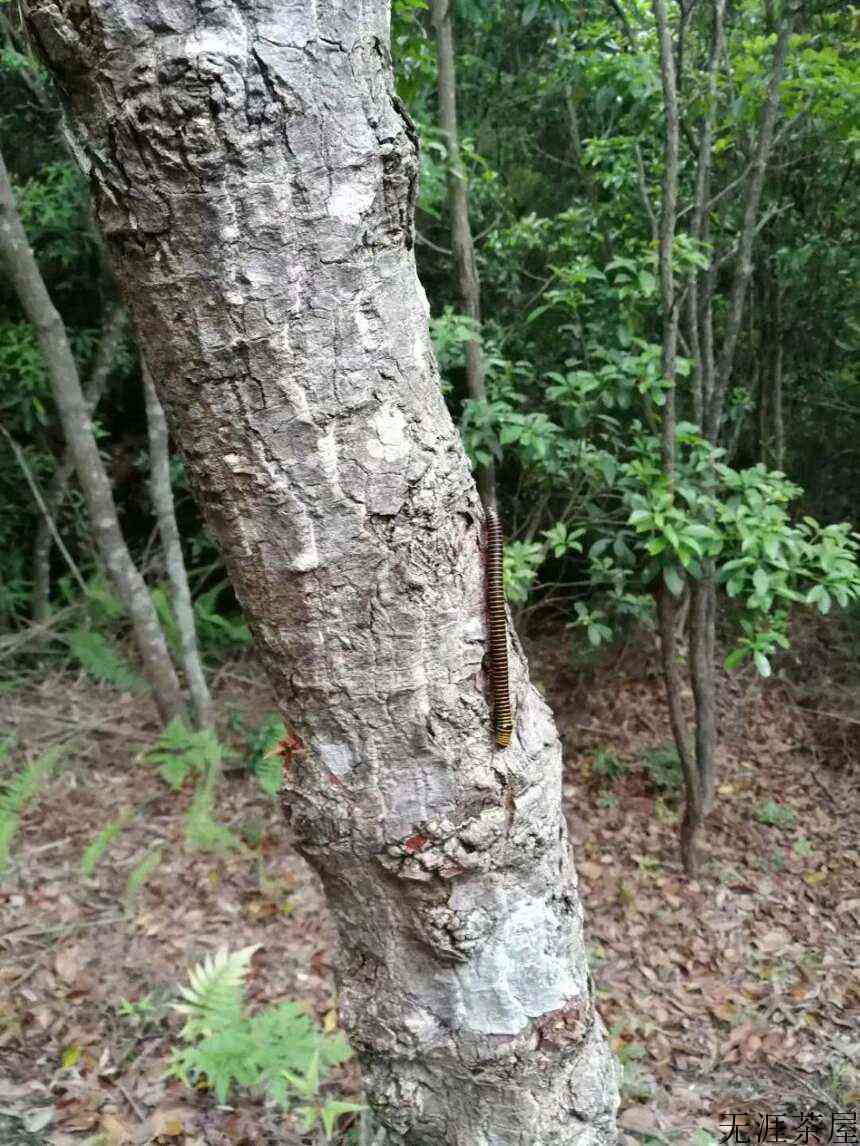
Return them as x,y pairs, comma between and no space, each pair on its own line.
416,843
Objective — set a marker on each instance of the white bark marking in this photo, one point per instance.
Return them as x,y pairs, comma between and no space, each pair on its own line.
350,200
391,443
510,980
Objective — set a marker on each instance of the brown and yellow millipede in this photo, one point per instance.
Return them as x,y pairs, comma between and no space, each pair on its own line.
504,718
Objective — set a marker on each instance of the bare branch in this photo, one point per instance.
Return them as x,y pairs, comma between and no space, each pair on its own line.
425,242
646,198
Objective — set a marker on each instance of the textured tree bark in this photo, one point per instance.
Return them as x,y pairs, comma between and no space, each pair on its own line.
255,178
93,389
171,545
81,443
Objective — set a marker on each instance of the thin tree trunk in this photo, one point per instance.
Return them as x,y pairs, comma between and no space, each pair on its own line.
162,500
702,605
777,420
93,390
668,222
701,283
666,609
81,443
749,228
462,244
255,178
693,808
765,367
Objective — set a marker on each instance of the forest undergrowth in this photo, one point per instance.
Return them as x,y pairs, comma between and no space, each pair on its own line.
734,994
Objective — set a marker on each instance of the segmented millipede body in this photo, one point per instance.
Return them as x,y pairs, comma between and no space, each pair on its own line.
504,717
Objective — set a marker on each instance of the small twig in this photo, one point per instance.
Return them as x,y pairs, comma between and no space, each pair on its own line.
226,672
64,928
433,247
126,731
483,234
42,848
602,731
646,198
132,1103
24,976
821,712
811,1088
10,644
733,250
823,786
40,501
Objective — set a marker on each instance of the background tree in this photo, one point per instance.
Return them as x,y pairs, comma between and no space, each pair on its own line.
298,376
23,270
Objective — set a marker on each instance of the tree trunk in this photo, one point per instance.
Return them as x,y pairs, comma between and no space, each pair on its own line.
255,178
693,809
702,626
691,759
462,244
777,420
162,500
93,390
668,221
81,444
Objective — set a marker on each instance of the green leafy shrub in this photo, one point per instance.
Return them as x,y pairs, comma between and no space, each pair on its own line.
609,767
279,1050
182,752
99,657
263,759
775,815
216,633
663,766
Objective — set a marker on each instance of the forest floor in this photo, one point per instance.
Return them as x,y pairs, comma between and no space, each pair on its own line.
736,995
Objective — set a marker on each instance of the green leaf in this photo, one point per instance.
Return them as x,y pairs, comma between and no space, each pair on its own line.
735,657
674,581
761,581
761,663
333,1110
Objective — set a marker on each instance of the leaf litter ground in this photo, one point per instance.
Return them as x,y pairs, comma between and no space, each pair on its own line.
736,994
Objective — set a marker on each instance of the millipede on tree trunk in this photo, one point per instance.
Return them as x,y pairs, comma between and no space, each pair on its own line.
504,718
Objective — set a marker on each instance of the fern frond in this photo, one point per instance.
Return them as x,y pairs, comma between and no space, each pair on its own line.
213,998
281,1049
180,752
97,847
202,831
102,603
19,792
139,875
100,659
270,773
